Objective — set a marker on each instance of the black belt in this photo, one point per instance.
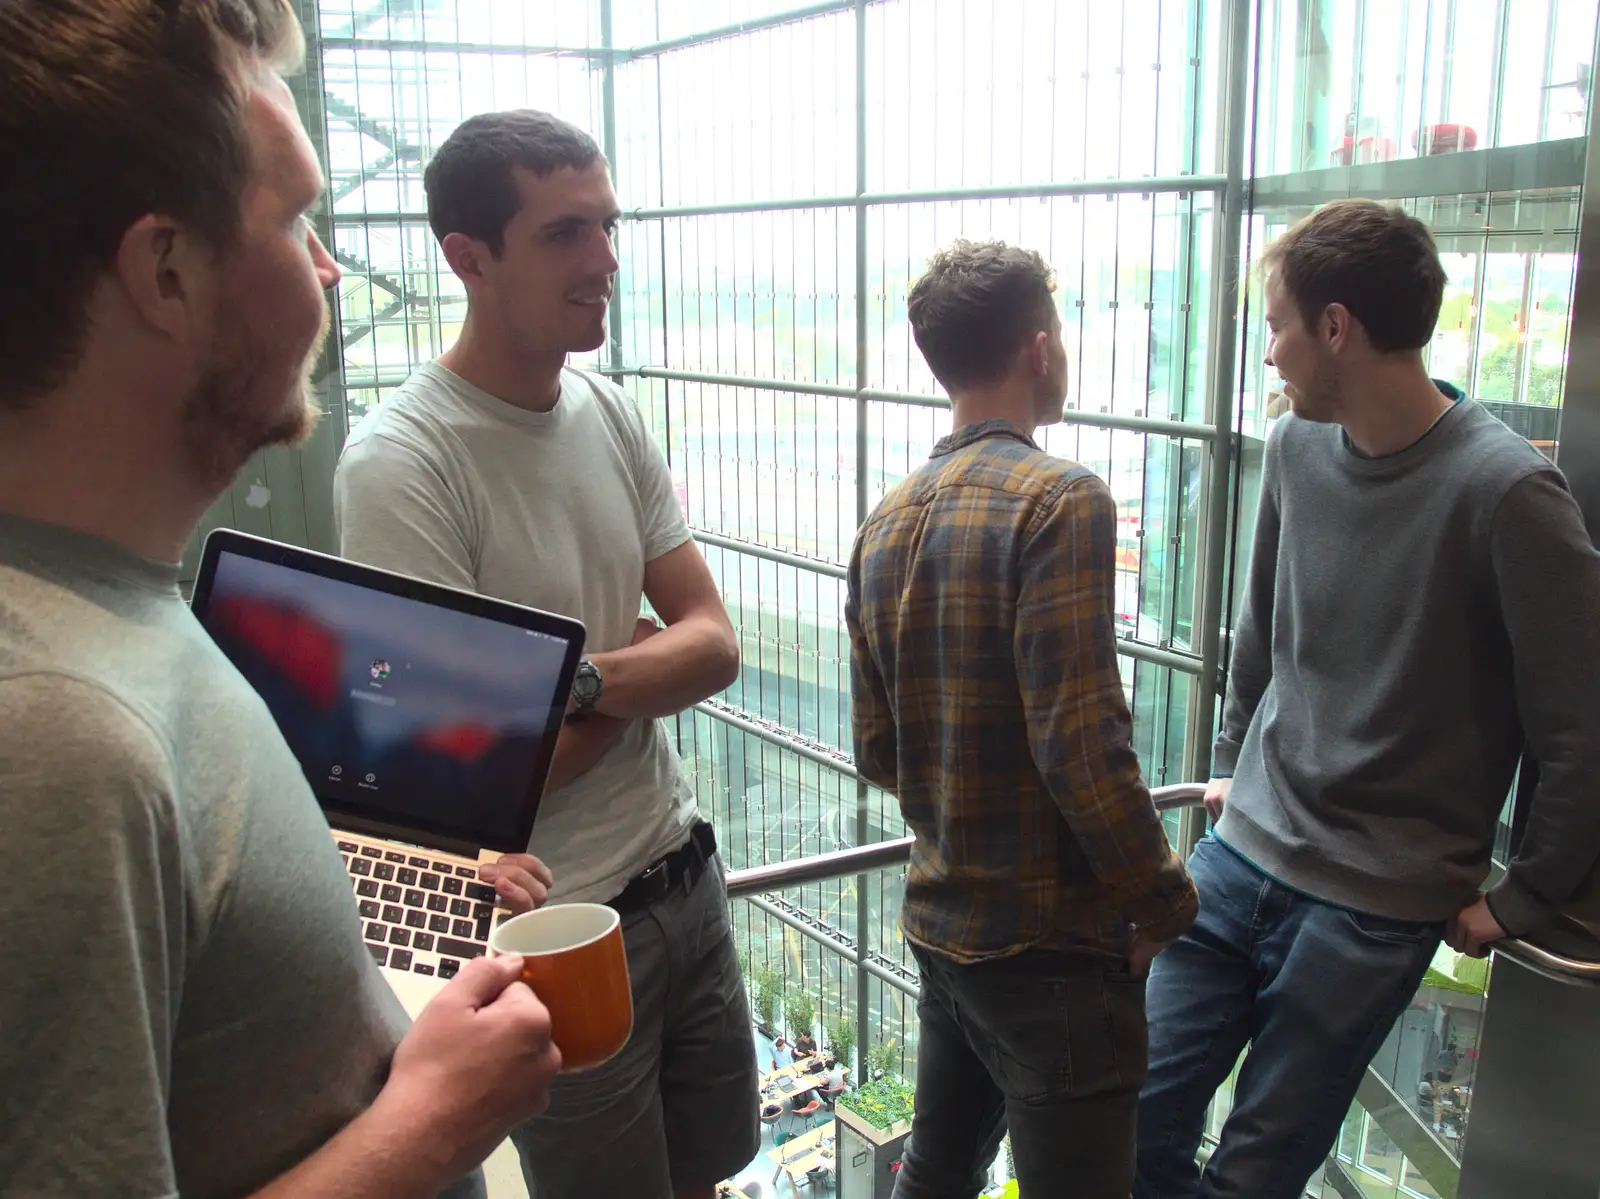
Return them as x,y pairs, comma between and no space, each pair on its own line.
680,868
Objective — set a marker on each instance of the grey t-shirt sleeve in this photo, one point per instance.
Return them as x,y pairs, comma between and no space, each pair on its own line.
1548,575
395,511
1250,667
92,902
664,526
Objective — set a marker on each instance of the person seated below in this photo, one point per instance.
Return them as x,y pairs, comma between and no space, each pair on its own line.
835,1074
804,1046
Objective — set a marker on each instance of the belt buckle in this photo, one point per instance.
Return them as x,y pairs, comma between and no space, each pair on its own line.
654,881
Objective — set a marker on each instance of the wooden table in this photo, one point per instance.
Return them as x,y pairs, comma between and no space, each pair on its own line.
803,1154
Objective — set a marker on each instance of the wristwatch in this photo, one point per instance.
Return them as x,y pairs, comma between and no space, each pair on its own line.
586,689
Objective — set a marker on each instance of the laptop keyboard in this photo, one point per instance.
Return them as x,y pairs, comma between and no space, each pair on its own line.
420,912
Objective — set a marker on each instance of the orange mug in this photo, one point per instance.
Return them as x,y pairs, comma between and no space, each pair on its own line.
573,958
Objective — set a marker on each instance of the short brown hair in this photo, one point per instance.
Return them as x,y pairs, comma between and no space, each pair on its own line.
469,183
113,110
976,306
1378,261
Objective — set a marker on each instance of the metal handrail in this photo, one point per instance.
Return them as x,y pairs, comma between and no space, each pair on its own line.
1548,963
862,859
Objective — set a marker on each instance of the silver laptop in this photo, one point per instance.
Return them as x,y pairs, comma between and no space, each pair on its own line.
425,720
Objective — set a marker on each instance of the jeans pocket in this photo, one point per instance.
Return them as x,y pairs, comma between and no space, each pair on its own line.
1389,931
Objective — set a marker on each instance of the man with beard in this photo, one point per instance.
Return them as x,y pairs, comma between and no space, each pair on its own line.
187,1006
498,469
1421,604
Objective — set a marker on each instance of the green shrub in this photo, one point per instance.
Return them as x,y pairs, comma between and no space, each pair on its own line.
842,1037
882,1103
800,1012
768,994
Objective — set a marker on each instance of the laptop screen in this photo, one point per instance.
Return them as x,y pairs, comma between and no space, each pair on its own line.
415,711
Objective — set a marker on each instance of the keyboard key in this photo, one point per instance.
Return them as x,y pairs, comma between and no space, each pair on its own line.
366,887
482,892
393,914
383,870
400,959
419,862
406,876
460,907
348,847
422,968
448,968
376,932
481,932
483,911
430,882
466,872
399,936
380,954
438,924
391,893
414,898
369,909
361,866
416,919
391,856
368,852
422,941
438,903
442,867
460,949
462,928
452,886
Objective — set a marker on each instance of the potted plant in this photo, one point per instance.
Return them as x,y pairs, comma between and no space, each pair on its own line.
880,1108
842,1037
768,989
801,1012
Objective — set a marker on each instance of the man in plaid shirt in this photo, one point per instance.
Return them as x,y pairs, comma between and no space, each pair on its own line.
987,698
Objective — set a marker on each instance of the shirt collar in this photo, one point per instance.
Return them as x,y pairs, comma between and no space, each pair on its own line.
968,434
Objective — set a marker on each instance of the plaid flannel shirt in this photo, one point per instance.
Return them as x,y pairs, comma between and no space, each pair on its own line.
987,697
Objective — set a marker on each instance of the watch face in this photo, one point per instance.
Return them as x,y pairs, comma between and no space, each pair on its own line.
586,684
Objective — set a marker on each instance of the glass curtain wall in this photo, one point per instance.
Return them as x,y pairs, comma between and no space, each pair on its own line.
785,176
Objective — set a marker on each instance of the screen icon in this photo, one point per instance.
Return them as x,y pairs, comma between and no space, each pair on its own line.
380,670
336,771
372,778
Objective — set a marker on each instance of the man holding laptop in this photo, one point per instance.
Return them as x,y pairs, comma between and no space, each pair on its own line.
188,1006
499,470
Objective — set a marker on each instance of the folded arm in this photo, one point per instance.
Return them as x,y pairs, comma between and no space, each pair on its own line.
693,657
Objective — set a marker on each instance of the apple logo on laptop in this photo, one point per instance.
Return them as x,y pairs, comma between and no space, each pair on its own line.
258,496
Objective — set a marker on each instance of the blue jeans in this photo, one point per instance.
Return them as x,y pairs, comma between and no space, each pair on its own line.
1048,1043
1313,989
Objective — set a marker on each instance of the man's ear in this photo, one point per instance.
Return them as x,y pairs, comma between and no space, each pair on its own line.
165,271
1039,353
1338,327
466,255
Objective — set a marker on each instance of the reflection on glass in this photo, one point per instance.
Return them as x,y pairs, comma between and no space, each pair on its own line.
1349,83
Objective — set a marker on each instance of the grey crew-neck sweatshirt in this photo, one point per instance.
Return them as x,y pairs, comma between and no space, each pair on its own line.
1410,622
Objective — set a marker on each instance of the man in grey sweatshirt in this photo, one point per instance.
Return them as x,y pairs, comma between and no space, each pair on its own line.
1421,605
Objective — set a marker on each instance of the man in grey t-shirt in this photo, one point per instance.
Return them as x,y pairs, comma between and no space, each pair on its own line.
187,1006
1421,603
499,469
